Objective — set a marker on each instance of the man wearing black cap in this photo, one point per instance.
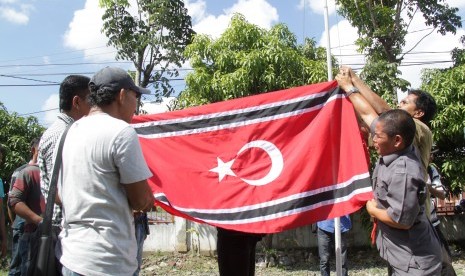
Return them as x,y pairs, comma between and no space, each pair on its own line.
104,180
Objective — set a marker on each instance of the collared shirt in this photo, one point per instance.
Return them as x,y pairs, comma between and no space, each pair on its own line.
46,158
398,178
328,225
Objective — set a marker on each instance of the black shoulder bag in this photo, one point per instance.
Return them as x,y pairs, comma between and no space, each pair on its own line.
43,241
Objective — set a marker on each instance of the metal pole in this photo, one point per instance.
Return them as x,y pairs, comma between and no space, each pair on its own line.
328,46
337,245
337,221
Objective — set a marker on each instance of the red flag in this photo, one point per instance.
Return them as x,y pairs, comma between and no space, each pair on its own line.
259,164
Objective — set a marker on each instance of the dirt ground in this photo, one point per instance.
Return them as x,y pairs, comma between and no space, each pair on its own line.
363,262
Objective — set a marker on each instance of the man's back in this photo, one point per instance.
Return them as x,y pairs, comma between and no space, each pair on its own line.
100,156
46,157
423,142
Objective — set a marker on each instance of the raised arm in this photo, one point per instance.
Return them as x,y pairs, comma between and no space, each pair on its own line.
361,105
376,102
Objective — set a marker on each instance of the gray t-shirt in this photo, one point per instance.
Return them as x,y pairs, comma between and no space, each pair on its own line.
100,155
397,180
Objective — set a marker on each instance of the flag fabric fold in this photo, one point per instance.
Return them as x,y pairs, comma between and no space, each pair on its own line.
259,164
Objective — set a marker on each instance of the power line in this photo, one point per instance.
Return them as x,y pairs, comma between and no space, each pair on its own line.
411,53
21,78
403,64
56,54
79,73
21,85
63,64
35,112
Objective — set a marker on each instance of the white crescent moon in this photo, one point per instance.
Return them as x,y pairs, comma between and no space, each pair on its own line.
277,161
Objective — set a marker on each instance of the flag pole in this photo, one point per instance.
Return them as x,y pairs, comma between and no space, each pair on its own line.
337,221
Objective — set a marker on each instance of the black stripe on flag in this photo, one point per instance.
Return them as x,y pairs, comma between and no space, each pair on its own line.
234,118
287,206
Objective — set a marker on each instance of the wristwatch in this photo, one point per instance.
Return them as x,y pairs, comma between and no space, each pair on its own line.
351,90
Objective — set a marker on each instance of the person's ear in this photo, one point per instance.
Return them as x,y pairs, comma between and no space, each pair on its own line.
418,113
122,96
398,141
77,102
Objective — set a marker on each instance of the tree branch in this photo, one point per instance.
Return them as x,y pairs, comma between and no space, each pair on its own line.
372,17
411,18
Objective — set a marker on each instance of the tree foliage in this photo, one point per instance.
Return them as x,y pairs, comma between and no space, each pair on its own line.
448,88
382,26
16,134
249,60
153,39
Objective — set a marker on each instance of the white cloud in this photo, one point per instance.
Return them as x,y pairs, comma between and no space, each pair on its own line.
456,3
16,15
318,6
434,47
52,104
154,107
258,12
84,33
342,39
196,10
212,25
46,59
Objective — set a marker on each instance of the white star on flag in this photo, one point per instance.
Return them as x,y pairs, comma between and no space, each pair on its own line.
223,169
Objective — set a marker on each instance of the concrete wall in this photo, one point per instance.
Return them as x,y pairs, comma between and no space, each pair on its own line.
182,235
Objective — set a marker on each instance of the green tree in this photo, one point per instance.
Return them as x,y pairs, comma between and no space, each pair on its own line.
153,39
382,28
249,60
16,133
448,88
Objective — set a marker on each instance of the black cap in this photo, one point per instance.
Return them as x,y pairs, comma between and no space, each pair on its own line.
116,79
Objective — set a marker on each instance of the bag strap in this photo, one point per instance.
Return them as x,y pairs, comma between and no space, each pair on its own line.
47,222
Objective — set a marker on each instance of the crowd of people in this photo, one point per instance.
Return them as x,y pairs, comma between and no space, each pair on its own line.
103,194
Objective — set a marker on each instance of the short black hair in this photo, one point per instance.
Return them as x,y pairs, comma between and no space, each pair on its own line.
398,122
426,103
73,85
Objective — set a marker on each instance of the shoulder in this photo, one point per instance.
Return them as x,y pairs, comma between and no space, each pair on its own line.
52,134
108,121
422,129
407,163
17,170
29,169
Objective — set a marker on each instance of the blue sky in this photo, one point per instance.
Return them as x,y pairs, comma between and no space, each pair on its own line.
43,41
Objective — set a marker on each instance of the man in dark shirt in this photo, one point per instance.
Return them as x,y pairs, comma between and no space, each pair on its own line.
26,201
405,237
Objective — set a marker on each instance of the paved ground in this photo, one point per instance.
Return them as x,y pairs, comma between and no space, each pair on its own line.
362,263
